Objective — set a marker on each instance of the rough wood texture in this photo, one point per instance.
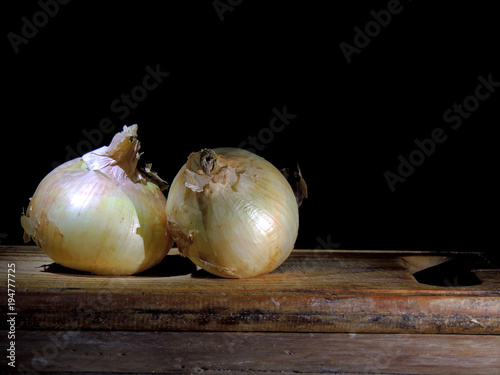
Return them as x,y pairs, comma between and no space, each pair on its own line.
84,352
313,291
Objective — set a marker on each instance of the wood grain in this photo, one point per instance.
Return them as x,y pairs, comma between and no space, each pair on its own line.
84,352
313,291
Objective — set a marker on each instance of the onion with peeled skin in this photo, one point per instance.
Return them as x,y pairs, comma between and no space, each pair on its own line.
99,213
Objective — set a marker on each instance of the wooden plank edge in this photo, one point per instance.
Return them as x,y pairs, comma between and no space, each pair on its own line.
283,312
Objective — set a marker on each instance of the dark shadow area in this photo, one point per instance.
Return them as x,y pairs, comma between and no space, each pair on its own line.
171,265
452,273
61,270
202,274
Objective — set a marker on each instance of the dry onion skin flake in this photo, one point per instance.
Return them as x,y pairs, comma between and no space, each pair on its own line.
232,213
99,213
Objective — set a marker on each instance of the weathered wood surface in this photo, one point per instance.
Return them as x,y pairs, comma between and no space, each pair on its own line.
84,352
313,291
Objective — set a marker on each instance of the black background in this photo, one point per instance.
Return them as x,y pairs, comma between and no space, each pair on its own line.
352,120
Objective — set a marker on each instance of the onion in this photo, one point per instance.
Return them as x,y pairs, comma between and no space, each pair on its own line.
232,213
99,213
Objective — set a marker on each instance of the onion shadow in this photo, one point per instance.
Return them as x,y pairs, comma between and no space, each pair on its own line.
171,265
202,274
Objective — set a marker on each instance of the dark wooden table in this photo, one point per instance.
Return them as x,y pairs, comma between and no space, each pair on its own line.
322,311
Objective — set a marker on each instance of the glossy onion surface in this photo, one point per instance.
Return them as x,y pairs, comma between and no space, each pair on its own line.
232,213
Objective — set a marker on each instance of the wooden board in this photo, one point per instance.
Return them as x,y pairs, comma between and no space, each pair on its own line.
136,352
313,291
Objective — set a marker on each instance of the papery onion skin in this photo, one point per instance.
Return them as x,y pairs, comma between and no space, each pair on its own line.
100,214
238,220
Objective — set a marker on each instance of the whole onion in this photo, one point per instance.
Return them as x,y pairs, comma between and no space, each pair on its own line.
99,213
232,213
